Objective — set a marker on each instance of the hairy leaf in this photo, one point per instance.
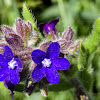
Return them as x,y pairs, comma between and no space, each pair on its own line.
86,79
91,42
28,16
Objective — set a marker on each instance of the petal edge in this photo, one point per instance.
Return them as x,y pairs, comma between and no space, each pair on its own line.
61,63
53,50
38,73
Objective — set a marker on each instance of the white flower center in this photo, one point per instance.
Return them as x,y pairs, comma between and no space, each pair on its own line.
12,64
46,62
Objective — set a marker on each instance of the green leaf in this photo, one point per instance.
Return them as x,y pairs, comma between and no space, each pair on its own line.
97,68
89,46
91,42
28,16
86,79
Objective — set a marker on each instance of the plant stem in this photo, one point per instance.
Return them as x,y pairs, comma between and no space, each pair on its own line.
62,12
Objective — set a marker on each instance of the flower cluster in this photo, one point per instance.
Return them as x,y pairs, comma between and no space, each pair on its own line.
19,39
20,61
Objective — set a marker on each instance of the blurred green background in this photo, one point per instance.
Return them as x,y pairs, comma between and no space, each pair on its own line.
79,14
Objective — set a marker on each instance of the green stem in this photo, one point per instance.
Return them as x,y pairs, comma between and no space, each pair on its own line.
62,12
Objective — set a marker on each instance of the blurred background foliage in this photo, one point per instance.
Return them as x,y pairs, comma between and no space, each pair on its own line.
79,14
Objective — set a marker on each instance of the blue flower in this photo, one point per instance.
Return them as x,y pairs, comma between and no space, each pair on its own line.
47,27
9,66
48,63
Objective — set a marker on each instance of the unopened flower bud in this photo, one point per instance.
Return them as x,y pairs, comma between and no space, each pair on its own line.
67,47
43,89
28,31
44,92
33,39
64,44
45,45
80,94
72,48
20,28
25,55
29,25
30,37
29,88
68,34
14,41
7,30
2,44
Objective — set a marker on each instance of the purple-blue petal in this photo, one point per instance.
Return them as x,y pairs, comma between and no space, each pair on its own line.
55,21
52,75
19,67
53,50
51,26
7,53
3,62
38,56
14,77
41,25
60,63
47,28
38,73
6,80
3,73
8,84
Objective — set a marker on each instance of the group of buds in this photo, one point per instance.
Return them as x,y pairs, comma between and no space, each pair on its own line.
19,39
66,41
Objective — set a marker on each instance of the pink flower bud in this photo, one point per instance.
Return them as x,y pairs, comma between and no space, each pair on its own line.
72,48
14,41
64,44
29,26
7,30
20,28
2,44
43,89
45,45
68,34
25,55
